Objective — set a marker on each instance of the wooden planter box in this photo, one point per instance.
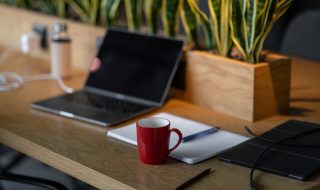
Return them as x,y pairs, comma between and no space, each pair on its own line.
248,91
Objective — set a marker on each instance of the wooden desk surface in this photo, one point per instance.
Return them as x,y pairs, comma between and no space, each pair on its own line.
83,151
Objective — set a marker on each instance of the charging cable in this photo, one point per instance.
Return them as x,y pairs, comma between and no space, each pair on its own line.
50,76
252,183
11,80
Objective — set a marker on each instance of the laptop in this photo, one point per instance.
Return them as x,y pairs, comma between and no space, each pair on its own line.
294,159
130,76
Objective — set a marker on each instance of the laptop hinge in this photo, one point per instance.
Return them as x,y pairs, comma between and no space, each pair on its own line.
121,96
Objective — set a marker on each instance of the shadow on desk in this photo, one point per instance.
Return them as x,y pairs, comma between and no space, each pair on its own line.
296,111
305,100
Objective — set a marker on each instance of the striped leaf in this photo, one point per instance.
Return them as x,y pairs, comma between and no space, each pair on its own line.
93,12
170,16
112,11
252,14
133,13
79,9
214,7
265,27
282,7
261,6
220,14
190,21
236,26
152,10
225,28
206,25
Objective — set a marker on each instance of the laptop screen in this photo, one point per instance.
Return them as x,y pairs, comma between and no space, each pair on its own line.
137,65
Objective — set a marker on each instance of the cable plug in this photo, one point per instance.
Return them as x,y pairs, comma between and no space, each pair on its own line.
253,185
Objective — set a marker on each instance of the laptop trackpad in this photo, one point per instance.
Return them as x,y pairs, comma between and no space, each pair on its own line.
84,112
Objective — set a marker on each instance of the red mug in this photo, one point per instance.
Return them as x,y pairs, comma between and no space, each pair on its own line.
153,136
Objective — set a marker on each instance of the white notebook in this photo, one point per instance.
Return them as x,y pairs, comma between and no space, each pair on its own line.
190,152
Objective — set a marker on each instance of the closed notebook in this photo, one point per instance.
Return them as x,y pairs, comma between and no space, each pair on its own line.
190,152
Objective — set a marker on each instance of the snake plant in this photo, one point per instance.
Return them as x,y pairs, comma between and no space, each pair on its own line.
220,14
190,21
170,16
133,12
56,7
193,18
231,24
257,18
18,3
108,11
87,10
152,11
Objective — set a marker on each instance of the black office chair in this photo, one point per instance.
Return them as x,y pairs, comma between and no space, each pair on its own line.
34,181
48,184
302,37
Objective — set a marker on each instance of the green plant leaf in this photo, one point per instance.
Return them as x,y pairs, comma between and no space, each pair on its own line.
170,16
225,28
214,7
252,14
236,26
206,25
265,27
79,10
220,13
152,10
133,13
60,8
282,7
112,11
190,21
93,12
103,12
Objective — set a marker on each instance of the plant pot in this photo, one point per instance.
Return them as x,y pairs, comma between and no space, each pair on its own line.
248,91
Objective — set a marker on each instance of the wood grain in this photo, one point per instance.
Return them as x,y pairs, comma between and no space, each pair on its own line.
83,151
244,90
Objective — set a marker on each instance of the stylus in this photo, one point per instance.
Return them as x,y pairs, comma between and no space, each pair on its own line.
200,134
191,180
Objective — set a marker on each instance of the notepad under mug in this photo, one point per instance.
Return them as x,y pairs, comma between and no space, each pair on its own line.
190,152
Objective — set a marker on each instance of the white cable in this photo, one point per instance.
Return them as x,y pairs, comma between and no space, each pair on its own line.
7,52
11,80
49,77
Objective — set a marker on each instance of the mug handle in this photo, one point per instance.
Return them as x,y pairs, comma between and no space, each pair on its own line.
180,138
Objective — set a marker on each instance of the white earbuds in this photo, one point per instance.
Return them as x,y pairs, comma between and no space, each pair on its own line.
29,41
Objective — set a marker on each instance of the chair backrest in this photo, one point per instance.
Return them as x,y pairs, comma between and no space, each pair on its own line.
302,37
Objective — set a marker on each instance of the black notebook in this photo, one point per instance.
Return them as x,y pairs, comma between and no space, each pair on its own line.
298,162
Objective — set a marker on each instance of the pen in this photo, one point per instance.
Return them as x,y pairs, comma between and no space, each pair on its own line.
191,180
200,134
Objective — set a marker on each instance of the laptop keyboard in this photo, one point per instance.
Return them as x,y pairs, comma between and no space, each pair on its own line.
106,103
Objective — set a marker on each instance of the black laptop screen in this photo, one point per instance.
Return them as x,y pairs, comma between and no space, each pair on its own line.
136,65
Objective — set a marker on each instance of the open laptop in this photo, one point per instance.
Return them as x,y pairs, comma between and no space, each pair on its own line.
130,76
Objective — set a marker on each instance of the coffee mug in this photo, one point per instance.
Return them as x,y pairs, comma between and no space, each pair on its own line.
153,136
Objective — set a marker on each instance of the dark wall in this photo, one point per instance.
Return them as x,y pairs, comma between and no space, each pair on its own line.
273,42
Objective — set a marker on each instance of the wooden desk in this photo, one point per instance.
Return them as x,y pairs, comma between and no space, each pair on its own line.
83,151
